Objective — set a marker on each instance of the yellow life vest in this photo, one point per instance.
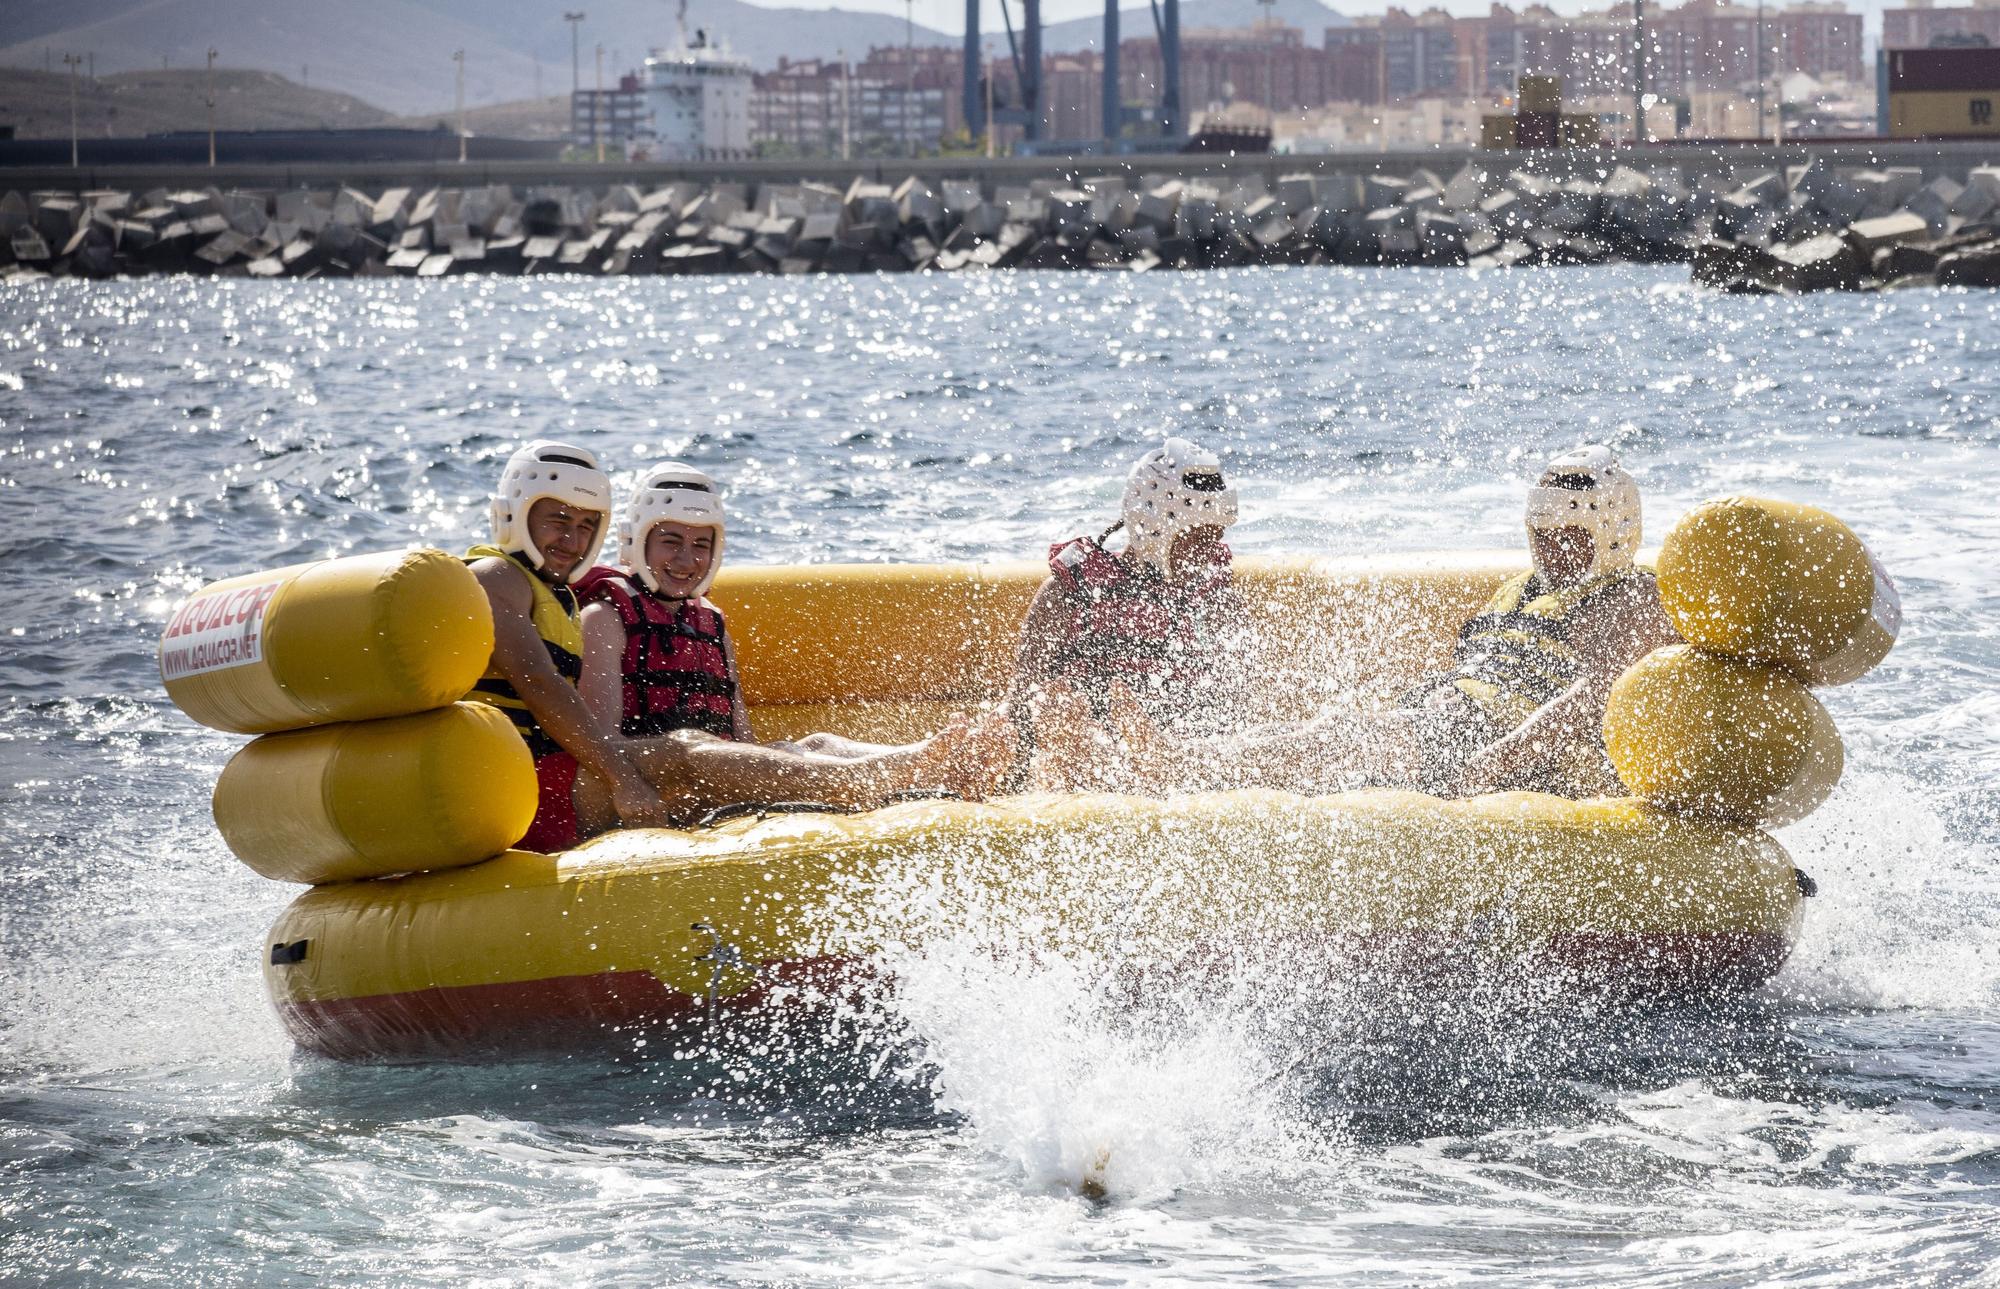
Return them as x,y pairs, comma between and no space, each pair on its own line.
1516,655
555,620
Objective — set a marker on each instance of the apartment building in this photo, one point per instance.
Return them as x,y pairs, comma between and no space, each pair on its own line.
1923,24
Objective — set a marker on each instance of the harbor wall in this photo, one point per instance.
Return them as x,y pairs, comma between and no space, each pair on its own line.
1773,219
1935,158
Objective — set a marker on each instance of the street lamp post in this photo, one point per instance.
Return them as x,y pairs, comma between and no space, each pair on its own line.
597,106
458,57
211,109
1270,24
1638,71
575,20
846,108
1757,70
74,62
1112,100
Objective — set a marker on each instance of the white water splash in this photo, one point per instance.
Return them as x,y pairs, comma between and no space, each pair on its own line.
1905,911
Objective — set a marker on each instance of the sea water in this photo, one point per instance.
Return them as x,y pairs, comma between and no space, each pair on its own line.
1838,1128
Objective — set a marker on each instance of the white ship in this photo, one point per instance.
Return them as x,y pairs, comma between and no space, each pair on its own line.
698,98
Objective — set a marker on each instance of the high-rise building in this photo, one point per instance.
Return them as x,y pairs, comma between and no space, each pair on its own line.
1269,65
897,100
1920,25
1712,44
1701,45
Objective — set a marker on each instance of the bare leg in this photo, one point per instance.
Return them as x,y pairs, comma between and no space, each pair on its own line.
1071,753
840,747
695,773
1155,760
1330,753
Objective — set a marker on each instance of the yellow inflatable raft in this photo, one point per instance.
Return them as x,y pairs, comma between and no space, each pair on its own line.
367,773
636,929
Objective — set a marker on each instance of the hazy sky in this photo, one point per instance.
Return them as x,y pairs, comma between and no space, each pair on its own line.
949,15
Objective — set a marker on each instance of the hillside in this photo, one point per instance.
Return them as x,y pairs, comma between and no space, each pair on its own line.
761,33
397,54
533,118
137,103
392,53
1309,16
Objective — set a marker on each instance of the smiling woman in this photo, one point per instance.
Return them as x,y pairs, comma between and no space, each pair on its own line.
657,655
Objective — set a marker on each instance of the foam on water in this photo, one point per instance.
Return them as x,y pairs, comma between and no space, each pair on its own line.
1905,908
1071,1083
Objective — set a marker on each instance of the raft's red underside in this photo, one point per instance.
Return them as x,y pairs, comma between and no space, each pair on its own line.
614,1009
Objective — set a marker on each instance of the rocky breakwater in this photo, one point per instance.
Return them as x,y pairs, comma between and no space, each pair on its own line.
1816,228
1749,231
1106,222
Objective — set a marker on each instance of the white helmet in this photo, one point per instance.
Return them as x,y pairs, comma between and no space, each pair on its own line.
559,472
1174,489
676,493
1586,488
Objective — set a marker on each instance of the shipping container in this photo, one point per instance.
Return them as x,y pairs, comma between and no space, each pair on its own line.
1538,129
1539,94
1926,71
1943,114
1581,130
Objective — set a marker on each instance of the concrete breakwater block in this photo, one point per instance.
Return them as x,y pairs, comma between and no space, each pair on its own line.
1838,229
1976,265
1811,227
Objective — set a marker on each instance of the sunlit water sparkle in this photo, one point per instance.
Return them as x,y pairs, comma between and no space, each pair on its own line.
155,1125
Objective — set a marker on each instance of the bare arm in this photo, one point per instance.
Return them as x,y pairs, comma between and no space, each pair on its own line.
1624,630
603,682
705,772
1309,757
520,656
739,711
1231,649
1034,655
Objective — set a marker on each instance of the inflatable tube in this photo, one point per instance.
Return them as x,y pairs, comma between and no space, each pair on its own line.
366,799
1705,735
530,949
1779,583
351,639
889,652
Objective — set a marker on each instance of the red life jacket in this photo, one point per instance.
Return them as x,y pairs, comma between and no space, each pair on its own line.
676,674
1127,624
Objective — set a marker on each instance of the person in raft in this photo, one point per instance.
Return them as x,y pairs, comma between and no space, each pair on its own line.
1148,632
657,656
1522,704
549,522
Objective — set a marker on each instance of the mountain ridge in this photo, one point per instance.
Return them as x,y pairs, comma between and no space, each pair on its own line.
397,54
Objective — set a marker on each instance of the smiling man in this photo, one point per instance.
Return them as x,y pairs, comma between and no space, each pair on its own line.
550,517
